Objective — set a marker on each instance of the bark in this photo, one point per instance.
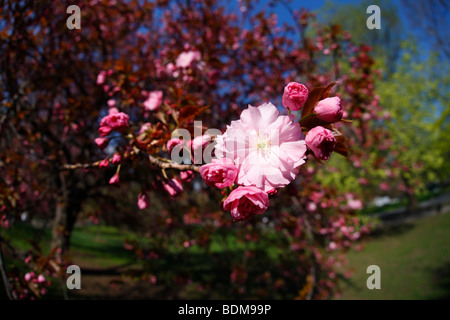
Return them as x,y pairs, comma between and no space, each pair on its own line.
60,236
412,204
412,201
65,218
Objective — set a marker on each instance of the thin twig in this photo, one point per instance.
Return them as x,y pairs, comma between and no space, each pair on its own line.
11,296
162,163
80,165
172,165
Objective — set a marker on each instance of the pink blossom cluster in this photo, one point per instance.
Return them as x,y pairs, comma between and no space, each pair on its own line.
154,100
39,282
114,121
262,151
185,62
102,78
320,140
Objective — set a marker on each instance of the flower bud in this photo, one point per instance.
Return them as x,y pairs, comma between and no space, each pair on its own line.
321,141
294,96
329,109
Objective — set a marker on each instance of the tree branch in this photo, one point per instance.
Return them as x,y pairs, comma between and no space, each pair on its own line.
79,166
172,165
163,164
10,294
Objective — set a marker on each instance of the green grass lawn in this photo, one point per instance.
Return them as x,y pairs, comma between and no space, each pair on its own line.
414,259
99,246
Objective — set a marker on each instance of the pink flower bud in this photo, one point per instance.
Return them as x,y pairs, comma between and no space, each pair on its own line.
294,96
104,163
172,143
116,159
329,109
115,180
143,201
102,142
321,141
187,176
104,131
245,202
173,187
220,173
200,142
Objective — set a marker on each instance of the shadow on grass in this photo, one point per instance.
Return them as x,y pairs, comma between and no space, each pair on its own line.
188,275
441,279
392,229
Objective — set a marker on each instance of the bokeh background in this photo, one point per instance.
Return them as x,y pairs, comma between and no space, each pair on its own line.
386,203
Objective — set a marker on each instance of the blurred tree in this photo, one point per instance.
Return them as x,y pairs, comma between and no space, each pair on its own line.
385,42
163,64
430,19
413,91
415,97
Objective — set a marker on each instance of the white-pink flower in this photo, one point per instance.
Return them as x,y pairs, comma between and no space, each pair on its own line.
101,77
154,100
266,147
185,59
355,204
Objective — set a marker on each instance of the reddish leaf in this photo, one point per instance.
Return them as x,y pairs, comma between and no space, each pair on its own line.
312,121
315,95
189,112
341,146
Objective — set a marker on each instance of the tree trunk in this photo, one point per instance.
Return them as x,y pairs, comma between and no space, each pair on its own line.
412,204
64,221
412,201
60,230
